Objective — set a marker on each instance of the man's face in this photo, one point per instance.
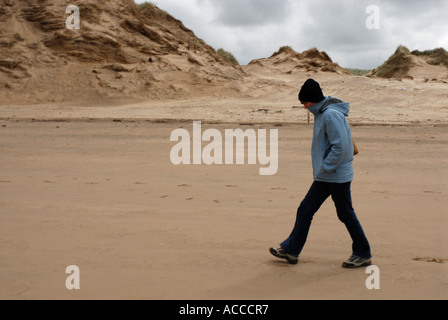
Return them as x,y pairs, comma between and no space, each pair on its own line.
307,105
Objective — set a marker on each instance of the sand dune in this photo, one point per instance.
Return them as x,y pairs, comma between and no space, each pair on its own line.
118,52
123,54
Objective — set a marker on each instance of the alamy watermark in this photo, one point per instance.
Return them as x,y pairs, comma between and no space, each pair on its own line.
373,20
74,20
228,148
73,281
373,281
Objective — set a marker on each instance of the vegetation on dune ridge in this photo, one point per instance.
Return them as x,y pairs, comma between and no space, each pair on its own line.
228,56
435,57
358,72
150,10
401,62
398,65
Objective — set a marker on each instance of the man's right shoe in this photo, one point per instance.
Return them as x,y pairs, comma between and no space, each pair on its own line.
282,254
356,262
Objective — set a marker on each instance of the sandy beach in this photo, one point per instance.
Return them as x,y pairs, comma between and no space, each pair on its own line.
103,195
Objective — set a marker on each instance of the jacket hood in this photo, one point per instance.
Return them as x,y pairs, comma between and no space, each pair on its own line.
331,103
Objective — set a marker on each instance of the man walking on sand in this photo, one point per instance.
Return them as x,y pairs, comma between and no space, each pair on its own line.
332,155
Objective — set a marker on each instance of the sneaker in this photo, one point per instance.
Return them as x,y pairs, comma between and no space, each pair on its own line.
356,262
282,254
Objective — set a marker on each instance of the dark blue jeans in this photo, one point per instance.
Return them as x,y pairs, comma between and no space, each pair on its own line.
318,194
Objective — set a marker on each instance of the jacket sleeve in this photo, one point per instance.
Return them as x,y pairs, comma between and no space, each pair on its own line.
338,137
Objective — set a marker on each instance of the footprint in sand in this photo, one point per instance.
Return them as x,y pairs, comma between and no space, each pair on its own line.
185,185
428,259
380,192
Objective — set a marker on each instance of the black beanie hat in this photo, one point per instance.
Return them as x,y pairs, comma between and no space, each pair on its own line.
311,92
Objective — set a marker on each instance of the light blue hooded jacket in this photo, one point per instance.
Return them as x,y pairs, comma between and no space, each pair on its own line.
332,149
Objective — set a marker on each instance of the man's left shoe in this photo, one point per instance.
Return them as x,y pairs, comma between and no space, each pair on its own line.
282,254
356,262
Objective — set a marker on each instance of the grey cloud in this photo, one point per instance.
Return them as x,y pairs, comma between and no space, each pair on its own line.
250,12
339,24
409,9
339,28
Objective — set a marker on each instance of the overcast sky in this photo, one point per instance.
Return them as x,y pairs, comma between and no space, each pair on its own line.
252,29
